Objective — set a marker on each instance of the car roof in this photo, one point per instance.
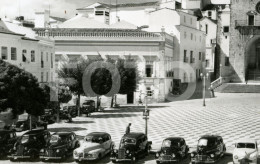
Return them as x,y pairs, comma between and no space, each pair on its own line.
2,131
246,140
133,135
173,138
33,132
97,134
63,133
209,136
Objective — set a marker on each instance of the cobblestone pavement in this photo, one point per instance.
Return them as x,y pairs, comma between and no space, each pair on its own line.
232,116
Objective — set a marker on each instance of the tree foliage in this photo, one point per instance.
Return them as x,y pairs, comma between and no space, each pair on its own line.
20,91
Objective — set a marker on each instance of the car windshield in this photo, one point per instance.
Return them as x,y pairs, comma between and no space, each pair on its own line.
128,141
169,143
203,142
246,145
94,139
54,138
25,138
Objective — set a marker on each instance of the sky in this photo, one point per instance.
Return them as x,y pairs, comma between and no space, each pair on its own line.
27,8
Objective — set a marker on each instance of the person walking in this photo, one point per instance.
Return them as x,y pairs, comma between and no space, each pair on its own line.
128,129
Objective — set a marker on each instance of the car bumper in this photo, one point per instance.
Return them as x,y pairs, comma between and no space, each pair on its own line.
253,161
166,161
18,157
197,161
120,160
49,158
86,158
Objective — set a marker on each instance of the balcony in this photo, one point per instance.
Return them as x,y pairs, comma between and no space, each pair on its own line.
245,23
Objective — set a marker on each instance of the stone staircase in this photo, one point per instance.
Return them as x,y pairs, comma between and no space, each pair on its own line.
239,88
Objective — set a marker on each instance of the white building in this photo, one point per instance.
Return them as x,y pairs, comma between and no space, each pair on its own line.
21,47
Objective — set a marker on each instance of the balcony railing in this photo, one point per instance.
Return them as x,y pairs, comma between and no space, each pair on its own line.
242,23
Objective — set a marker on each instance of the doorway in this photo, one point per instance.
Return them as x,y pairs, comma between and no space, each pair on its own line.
130,98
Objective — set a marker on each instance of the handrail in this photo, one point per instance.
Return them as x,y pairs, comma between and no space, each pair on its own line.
218,82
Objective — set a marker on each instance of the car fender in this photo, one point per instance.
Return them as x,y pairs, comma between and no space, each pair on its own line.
112,145
98,151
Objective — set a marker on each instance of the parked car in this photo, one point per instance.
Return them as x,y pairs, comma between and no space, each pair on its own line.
7,141
22,125
132,146
72,109
210,149
30,144
246,151
88,107
49,116
173,149
95,146
60,146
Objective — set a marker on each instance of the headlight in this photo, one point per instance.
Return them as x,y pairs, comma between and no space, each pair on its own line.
192,155
115,151
212,155
127,151
173,155
130,155
25,148
157,155
42,151
58,150
14,148
236,157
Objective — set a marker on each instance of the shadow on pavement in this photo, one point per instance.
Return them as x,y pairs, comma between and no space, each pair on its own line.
113,115
66,129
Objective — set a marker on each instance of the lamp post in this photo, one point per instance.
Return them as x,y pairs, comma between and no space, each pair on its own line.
204,86
146,116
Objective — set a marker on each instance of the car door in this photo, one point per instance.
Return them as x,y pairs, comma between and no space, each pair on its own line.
143,142
183,147
106,142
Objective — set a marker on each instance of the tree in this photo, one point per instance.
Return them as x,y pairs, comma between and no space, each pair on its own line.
129,75
20,91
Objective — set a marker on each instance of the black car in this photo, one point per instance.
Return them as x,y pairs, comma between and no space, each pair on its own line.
210,148
88,107
7,141
173,149
60,146
30,144
49,116
22,125
132,146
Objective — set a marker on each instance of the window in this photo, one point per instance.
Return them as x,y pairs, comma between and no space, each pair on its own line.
199,55
24,55
206,28
13,53
47,76
42,62
207,63
191,36
4,53
251,20
149,92
191,57
226,61
99,13
42,75
210,14
185,34
185,56
149,70
51,60
32,56
226,29
106,13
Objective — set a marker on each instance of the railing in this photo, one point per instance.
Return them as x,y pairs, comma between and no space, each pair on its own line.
218,82
241,23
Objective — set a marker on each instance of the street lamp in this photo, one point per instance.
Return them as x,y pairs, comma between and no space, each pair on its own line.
204,86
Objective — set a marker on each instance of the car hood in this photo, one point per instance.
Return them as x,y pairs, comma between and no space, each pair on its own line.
88,146
243,151
169,151
55,145
128,147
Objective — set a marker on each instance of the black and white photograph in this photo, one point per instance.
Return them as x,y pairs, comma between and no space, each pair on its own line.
129,81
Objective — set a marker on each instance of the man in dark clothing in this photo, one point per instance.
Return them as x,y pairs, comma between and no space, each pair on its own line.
128,129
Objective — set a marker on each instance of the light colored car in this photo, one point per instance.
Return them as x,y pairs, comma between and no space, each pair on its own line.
245,150
94,146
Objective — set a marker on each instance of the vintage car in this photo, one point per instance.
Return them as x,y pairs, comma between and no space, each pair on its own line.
49,116
88,107
72,109
132,146
210,148
246,150
173,149
7,141
30,144
22,125
60,146
94,146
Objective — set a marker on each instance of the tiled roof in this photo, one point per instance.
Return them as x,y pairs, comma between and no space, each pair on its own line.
58,19
5,31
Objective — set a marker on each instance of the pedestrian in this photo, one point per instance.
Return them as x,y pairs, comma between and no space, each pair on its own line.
212,91
128,129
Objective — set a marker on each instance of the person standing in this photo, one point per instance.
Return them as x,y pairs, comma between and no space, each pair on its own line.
128,129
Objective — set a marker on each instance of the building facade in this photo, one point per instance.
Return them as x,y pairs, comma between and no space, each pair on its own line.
33,54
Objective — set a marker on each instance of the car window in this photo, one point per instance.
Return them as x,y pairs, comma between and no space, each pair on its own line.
246,145
166,143
128,141
203,142
24,139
